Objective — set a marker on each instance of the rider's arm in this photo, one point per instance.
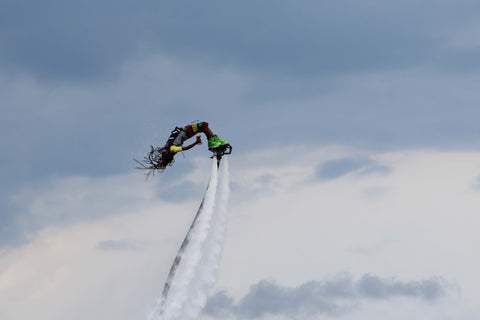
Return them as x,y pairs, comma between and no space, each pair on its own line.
198,141
175,149
178,149
190,146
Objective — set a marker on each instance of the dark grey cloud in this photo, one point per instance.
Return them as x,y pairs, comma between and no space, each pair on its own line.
74,120
334,296
97,133
68,40
85,40
373,287
220,305
460,60
333,169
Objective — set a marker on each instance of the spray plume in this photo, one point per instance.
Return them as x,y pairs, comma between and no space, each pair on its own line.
194,270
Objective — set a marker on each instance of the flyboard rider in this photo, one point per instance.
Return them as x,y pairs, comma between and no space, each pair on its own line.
161,157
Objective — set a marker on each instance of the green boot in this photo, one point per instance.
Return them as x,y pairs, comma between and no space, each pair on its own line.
215,141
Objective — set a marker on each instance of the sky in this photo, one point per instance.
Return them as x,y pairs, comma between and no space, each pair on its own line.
355,171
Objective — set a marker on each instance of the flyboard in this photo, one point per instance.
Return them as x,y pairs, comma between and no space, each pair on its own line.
220,151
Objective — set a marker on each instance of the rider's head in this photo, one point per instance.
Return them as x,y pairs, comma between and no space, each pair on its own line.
166,158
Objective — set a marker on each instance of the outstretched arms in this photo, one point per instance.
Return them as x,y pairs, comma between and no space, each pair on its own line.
198,141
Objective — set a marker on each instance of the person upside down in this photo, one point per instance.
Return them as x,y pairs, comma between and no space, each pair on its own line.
161,157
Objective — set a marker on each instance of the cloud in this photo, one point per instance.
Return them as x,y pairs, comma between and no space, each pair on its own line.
68,41
336,168
376,169
65,201
89,269
334,296
220,305
68,201
80,41
185,190
298,232
460,60
376,288
117,245
476,184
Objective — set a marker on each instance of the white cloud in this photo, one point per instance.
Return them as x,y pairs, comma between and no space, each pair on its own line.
426,212
284,226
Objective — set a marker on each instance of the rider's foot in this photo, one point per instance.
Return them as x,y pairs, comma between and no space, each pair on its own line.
215,141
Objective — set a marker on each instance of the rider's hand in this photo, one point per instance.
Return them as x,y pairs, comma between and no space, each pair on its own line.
199,140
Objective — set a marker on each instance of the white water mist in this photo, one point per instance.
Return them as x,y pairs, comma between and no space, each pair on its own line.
196,266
